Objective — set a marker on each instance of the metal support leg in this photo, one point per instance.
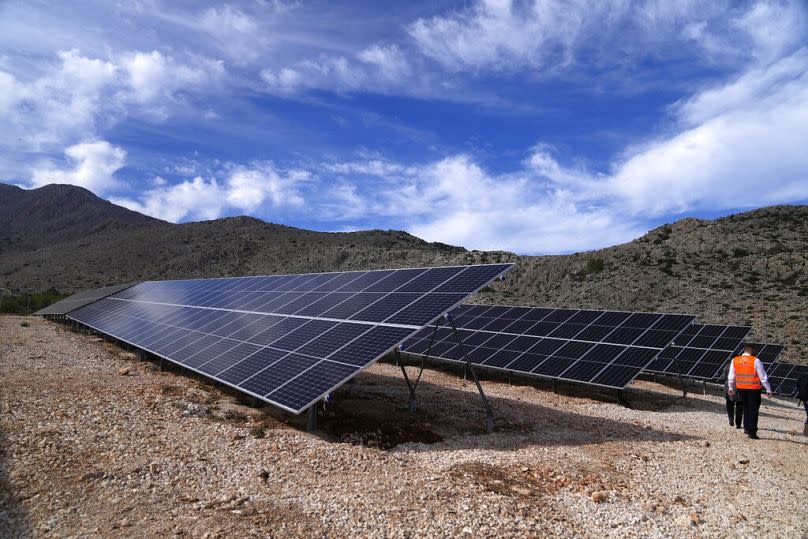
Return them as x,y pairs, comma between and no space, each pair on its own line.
311,422
555,385
704,386
684,388
621,398
489,415
410,385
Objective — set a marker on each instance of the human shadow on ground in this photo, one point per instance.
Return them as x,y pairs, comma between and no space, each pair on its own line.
14,518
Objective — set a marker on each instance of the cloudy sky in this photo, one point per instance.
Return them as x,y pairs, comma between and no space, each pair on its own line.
536,127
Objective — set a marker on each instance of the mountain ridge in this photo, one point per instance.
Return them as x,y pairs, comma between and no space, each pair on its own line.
746,268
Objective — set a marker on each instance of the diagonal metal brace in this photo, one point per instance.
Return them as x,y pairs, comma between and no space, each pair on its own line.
489,415
412,386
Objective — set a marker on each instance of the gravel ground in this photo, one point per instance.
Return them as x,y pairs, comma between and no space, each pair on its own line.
96,442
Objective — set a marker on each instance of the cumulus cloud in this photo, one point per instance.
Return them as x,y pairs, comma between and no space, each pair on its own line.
75,97
90,164
239,187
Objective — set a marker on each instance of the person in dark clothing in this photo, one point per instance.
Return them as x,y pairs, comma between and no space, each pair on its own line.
747,377
734,405
802,394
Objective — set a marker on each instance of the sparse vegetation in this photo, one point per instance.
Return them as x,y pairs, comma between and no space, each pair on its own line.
258,432
29,303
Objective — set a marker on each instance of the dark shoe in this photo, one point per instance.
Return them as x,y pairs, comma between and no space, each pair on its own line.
753,437
731,423
738,426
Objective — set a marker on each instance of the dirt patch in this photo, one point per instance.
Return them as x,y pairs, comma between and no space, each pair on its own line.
377,424
518,482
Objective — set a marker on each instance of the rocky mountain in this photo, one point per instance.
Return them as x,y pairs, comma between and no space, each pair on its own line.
55,214
748,268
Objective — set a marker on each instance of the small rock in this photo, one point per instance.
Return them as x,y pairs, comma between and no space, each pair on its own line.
683,521
123,371
695,518
124,523
661,509
743,461
706,444
599,496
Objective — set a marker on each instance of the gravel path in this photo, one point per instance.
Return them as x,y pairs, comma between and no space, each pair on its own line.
95,442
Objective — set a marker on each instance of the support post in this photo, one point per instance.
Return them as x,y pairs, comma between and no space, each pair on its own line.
411,386
311,421
489,415
555,385
704,386
621,398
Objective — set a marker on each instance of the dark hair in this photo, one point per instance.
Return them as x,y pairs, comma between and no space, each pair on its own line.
749,349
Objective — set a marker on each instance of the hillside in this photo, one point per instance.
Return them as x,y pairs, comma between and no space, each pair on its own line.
745,268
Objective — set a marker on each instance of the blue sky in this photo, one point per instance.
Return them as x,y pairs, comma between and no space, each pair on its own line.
537,127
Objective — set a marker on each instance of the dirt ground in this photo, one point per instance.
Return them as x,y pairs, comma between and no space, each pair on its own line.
97,442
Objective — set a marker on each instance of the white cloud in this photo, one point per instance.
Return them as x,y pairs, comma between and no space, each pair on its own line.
377,68
154,79
239,187
235,32
91,164
74,98
502,35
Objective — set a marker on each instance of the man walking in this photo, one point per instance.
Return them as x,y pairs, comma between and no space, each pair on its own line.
734,404
747,375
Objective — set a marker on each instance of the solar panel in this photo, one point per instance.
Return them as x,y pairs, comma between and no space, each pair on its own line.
604,348
80,299
699,352
285,339
783,378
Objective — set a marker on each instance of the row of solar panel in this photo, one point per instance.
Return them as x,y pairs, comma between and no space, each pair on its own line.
700,351
287,361
784,377
81,299
414,306
596,363
451,280
651,330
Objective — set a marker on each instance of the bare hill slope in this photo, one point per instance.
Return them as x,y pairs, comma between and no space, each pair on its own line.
750,267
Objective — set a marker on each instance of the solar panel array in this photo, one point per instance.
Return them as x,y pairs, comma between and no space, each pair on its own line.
286,339
783,378
605,348
699,352
80,299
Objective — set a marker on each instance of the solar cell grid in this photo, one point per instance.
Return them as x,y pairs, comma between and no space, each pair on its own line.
548,342
700,352
252,332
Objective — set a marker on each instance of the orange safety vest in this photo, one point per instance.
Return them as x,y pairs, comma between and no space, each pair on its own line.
745,374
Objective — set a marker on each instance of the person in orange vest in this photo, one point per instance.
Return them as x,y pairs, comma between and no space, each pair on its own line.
747,375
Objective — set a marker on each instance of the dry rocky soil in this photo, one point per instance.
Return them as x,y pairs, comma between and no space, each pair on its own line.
95,442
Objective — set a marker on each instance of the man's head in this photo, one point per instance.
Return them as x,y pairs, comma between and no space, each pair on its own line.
749,349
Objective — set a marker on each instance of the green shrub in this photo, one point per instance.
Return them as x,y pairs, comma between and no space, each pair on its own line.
258,432
24,324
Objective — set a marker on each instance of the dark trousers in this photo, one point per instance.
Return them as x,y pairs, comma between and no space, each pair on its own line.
805,403
734,411
751,408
